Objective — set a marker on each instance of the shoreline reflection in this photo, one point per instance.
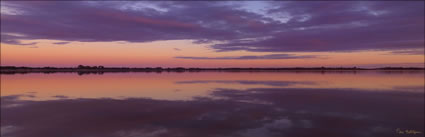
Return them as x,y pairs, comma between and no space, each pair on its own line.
211,104
185,86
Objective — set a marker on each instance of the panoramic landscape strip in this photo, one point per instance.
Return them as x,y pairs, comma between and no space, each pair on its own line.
100,69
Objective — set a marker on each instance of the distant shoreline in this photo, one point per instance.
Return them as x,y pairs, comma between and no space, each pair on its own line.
101,69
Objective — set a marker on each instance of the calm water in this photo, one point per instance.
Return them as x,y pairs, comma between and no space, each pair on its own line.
213,104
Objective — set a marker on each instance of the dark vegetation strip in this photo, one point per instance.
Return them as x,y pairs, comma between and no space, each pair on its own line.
81,69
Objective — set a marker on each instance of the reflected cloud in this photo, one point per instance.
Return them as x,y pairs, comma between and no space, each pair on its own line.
248,82
186,86
410,88
142,133
60,97
6,130
267,129
325,112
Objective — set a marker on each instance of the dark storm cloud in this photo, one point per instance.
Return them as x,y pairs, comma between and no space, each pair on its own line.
278,27
270,56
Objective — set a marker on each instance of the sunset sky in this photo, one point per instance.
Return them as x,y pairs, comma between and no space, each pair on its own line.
213,34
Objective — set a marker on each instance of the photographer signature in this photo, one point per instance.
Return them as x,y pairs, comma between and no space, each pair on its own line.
407,131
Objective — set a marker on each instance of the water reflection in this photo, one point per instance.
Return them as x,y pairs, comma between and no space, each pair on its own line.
211,105
185,86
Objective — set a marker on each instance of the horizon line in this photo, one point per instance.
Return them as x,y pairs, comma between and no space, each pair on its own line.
123,67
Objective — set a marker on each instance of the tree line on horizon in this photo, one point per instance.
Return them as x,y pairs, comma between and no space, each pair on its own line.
218,68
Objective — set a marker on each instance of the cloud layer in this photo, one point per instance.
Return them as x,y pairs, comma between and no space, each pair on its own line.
270,56
227,26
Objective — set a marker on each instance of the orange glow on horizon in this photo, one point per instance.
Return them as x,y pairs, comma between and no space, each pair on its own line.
162,53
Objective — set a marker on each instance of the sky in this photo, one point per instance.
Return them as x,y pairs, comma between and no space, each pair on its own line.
213,33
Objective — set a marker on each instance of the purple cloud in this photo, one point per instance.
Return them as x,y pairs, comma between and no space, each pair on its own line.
270,56
257,27
61,43
342,26
13,39
409,52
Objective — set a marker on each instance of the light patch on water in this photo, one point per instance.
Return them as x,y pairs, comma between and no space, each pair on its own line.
142,133
266,129
6,130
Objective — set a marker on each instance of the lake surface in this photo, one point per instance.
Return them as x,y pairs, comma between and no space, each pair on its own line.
213,104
